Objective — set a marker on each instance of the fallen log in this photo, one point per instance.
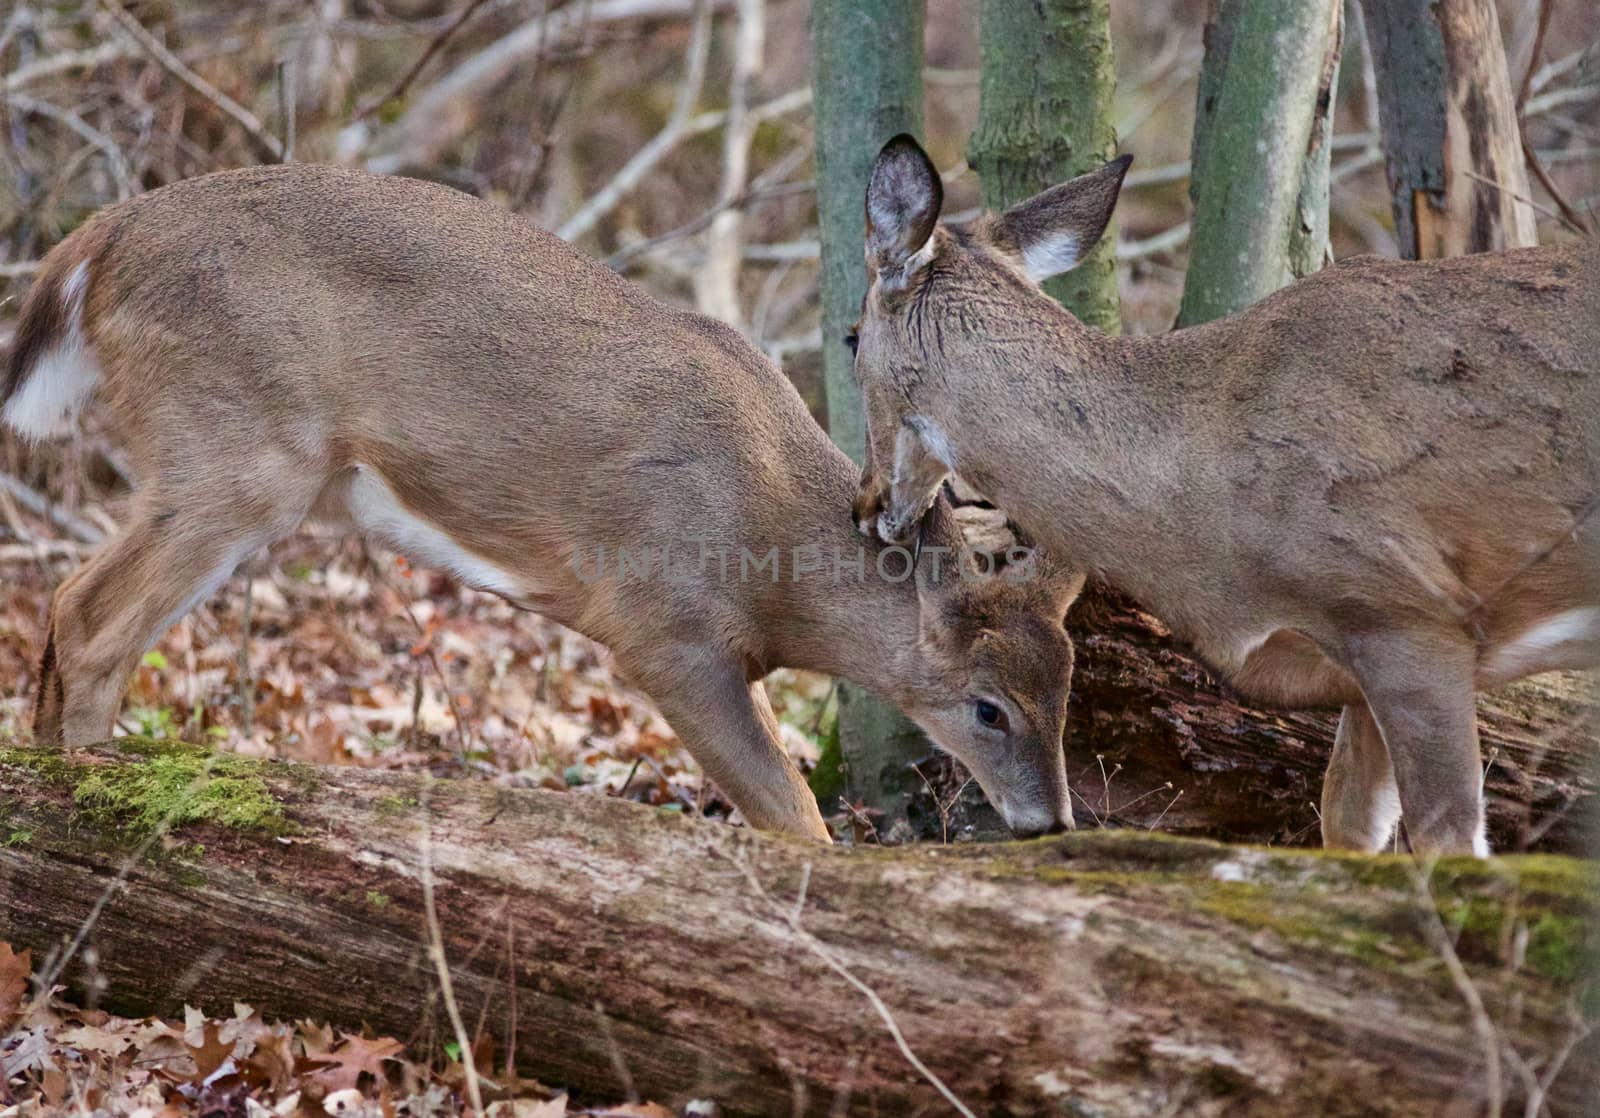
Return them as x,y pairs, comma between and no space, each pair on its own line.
1110,972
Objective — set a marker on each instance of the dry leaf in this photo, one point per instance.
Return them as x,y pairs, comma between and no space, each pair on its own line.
353,1056
14,970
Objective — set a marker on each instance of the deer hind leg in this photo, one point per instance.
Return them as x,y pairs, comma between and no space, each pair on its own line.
172,555
1420,691
1360,799
727,724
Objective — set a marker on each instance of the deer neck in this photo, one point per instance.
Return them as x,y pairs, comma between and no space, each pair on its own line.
1104,428
840,605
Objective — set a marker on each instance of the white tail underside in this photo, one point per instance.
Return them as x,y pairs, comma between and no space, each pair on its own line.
53,392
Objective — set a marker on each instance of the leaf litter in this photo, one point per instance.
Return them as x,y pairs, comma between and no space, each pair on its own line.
57,1058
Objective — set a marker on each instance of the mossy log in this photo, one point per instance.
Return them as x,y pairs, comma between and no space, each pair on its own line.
1106,973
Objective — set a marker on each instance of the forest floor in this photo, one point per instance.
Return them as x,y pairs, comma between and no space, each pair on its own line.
356,659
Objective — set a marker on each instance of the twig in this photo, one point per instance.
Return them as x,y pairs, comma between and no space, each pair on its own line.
118,162
1165,241
434,46
791,918
247,687
39,505
41,549
286,107
1569,215
59,63
434,120
618,1064
436,953
1166,809
20,269
716,284
621,258
1482,1027
676,128
1554,215
266,143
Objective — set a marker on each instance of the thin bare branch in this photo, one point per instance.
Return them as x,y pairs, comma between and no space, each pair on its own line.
672,133
435,119
265,142
40,505
115,159
1488,1037
441,965
791,918
434,46
56,64
716,285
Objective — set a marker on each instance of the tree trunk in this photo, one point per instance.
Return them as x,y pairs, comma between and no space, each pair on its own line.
1112,973
1044,116
1457,179
866,59
1260,154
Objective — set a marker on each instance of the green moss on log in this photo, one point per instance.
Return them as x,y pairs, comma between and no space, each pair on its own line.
163,783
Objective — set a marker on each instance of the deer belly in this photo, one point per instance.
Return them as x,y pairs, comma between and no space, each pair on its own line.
377,512
1565,641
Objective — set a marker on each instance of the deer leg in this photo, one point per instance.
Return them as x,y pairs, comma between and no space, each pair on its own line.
1421,695
727,724
1360,801
918,472
104,617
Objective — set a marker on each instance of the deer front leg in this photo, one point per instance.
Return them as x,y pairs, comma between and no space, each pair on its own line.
1420,692
728,726
920,467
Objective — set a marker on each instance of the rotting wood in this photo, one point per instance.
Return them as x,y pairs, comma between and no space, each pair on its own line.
1113,973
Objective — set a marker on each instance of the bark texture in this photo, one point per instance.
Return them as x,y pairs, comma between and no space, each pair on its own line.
1260,154
1044,116
866,59
1450,137
1112,973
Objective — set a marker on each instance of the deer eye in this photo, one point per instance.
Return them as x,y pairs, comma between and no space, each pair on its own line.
990,715
853,340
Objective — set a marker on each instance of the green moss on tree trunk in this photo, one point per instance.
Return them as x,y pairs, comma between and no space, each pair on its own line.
1260,161
1044,117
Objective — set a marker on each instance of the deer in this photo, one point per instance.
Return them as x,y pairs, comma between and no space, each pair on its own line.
402,360
1373,490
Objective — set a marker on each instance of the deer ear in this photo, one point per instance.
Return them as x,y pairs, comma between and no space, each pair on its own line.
904,197
1054,230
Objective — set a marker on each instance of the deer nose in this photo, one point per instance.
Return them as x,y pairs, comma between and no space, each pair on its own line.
1035,826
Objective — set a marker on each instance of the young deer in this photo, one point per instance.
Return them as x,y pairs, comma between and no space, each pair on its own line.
282,342
1375,489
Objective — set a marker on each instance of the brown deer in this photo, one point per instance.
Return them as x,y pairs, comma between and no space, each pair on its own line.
1374,489
277,343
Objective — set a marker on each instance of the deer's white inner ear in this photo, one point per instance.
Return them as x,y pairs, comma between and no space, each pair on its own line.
1050,255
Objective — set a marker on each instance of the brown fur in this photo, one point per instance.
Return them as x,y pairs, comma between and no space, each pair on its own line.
264,333
1366,489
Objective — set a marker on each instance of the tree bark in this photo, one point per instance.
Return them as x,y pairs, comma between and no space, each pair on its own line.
1113,973
1044,116
866,60
1457,180
1260,153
